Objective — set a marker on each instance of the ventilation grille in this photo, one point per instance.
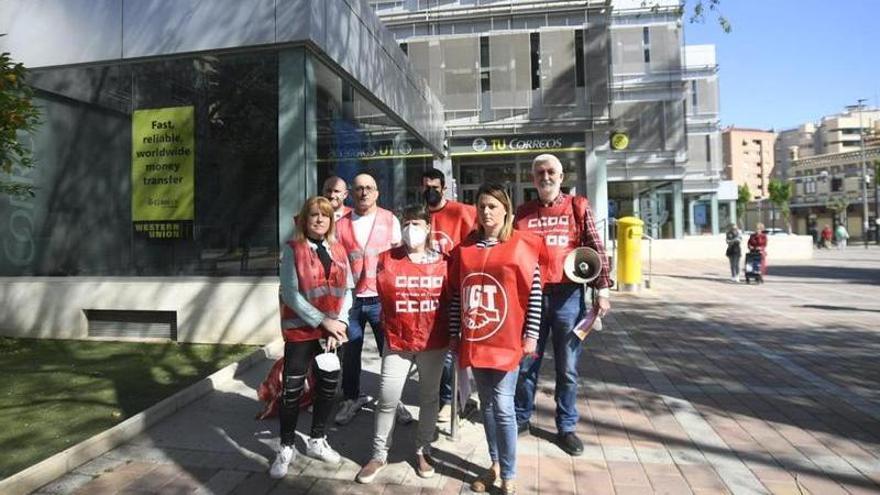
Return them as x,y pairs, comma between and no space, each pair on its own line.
132,324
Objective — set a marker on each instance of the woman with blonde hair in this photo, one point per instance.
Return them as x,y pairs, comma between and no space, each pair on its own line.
497,312
316,287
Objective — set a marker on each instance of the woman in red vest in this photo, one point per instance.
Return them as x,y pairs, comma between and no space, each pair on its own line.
412,288
758,242
498,312
316,287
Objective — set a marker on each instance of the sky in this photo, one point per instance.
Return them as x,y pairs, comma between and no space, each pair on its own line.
787,62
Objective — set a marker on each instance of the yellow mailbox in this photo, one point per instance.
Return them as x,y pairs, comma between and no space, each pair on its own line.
629,253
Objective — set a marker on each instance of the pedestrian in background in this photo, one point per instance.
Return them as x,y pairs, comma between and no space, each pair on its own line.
758,242
841,236
826,237
734,250
316,285
498,310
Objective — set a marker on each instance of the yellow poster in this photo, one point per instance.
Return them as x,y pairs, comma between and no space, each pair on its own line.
162,172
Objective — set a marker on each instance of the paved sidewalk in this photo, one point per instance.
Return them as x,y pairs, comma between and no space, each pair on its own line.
698,386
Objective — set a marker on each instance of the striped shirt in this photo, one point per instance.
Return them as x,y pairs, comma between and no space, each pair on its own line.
533,312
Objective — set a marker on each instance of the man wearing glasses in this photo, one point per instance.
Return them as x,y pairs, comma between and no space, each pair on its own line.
365,232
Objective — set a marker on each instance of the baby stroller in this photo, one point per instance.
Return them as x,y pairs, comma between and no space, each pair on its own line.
753,267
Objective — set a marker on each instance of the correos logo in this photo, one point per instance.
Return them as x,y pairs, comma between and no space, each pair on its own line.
484,306
479,145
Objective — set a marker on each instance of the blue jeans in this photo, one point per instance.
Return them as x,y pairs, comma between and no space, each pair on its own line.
446,380
563,307
363,310
496,389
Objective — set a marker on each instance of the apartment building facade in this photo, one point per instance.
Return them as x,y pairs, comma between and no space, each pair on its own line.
749,159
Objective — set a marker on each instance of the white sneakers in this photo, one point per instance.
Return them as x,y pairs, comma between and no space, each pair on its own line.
318,448
349,408
282,462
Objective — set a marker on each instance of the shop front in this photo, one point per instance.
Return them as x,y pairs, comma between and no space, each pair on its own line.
508,160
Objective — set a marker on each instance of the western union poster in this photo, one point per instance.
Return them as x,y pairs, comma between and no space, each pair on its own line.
162,172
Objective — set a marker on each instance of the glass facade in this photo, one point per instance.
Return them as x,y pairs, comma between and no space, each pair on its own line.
81,221
355,136
170,167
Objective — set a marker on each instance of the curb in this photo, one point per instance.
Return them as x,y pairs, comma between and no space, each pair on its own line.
47,470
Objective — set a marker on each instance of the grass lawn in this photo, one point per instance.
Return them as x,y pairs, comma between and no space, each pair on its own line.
56,393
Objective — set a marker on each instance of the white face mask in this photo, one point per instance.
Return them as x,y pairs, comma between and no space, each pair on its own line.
414,236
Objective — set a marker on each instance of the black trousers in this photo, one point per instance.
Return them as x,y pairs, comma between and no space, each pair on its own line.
298,356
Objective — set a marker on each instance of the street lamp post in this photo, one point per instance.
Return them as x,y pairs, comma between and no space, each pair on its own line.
864,177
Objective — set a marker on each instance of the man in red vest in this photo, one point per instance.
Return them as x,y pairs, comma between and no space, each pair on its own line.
564,222
451,222
336,190
365,232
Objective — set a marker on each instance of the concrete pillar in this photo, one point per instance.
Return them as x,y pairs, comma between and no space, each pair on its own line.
297,137
677,209
715,214
732,209
692,228
596,176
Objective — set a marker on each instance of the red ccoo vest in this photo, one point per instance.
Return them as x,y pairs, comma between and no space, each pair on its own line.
558,226
325,294
415,302
451,224
364,259
494,287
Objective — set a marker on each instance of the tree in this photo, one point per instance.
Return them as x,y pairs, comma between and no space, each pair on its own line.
17,115
780,194
742,199
697,10
837,204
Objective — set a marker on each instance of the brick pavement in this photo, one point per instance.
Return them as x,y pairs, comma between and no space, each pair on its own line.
698,386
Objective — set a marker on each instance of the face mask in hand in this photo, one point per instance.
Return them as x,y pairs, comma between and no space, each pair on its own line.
414,236
432,197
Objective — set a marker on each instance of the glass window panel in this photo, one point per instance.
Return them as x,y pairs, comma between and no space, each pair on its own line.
510,78
80,223
626,50
558,78
665,48
461,76
707,91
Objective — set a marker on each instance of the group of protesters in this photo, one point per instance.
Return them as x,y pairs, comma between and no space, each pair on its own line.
443,280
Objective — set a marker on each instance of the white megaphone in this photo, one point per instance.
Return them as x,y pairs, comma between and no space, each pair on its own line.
582,265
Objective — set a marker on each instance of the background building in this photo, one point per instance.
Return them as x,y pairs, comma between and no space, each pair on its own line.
792,144
705,214
518,78
824,161
748,159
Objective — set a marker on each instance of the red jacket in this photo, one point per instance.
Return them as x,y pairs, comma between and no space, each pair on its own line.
415,302
494,286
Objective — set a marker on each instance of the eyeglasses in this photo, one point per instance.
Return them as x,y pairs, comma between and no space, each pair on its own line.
366,189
